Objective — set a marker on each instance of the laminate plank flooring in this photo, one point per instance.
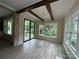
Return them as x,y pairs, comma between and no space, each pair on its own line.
33,49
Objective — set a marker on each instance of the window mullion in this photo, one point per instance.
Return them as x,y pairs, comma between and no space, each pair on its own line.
77,45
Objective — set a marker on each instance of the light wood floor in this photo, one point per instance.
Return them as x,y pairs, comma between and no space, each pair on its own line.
34,49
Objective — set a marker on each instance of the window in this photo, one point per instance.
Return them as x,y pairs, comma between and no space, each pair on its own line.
9,26
71,32
29,29
32,29
48,30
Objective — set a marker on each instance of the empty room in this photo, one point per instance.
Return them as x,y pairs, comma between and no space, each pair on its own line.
39,29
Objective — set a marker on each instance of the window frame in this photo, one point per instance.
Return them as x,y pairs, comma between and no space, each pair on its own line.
46,35
74,49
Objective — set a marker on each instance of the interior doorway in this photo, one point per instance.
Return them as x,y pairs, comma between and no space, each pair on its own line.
29,30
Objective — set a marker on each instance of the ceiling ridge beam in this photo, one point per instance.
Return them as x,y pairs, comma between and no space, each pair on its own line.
31,12
7,7
41,3
47,3
49,10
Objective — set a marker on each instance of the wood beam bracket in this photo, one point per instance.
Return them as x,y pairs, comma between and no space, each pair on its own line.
31,12
47,3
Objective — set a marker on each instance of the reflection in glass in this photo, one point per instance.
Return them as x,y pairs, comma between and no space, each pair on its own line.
26,30
71,31
32,29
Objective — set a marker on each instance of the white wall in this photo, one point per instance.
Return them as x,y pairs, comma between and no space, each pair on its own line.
19,23
16,30
59,32
21,28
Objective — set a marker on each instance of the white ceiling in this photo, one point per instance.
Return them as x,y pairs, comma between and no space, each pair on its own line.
19,4
4,11
42,12
15,5
59,8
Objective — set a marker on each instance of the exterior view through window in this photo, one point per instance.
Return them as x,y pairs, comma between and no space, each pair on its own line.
26,29
9,29
32,29
48,30
71,27
29,27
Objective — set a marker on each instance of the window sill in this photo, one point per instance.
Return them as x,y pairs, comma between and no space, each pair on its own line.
48,36
72,50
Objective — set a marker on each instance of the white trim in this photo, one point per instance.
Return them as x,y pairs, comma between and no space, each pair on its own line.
8,7
72,50
48,36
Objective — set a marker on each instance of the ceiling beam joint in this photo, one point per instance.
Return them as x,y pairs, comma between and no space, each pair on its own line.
49,8
31,12
39,4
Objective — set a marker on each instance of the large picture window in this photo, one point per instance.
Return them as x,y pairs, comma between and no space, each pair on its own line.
48,30
71,32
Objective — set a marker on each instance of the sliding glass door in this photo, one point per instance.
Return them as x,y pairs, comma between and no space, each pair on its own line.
29,27
32,29
26,30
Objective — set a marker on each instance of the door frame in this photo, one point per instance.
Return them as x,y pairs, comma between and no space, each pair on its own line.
29,30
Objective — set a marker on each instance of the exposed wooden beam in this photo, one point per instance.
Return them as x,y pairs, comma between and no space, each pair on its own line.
31,7
49,8
35,15
41,3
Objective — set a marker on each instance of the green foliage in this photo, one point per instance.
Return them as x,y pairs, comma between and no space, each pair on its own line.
71,31
49,29
9,29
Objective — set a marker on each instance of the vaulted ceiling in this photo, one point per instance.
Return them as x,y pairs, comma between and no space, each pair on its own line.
59,9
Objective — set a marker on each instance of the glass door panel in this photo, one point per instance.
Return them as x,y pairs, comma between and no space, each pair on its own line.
32,29
26,30
29,29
